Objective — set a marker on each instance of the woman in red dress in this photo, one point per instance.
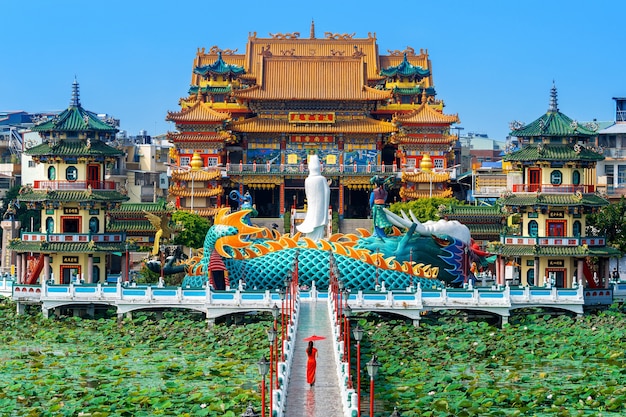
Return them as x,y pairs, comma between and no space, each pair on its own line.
311,363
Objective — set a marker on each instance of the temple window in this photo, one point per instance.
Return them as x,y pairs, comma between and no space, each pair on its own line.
576,228
576,177
52,173
71,173
94,225
185,161
533,228
556,177
530,277
49,225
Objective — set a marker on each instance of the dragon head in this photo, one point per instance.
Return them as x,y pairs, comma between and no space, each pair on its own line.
228,230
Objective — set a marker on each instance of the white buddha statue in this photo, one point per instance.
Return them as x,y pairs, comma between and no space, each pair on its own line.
318,200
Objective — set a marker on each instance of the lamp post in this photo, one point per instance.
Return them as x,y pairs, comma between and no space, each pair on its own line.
275,313
340,286
347,312
358,335
289,298
271,337
372,370
281,294
264,366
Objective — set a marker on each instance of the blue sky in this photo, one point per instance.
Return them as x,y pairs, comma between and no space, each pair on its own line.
493,61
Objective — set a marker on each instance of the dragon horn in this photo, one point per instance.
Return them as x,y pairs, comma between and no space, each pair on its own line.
397,220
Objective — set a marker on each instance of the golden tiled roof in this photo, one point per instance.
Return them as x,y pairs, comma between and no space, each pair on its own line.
312,78
200,175
424,177
260,125
199,112
426,114
200,137
204,212
179,191
422,140
414,194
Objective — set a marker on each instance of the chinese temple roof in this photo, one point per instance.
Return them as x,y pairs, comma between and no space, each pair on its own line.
405,69
126,209
312,79
74,147
61,247
425,176
530,250
415,194
262,125
564,199
29,195
554,152
75,119
199,112
554,124
458,211
199,175
219,67
426,114
411,91
201,137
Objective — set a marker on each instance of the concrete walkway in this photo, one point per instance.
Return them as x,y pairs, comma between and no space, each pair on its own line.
324,398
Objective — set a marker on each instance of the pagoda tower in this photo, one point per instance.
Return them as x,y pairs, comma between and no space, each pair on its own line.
73,198
552,182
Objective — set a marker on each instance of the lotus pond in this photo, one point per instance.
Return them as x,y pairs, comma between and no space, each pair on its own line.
538,365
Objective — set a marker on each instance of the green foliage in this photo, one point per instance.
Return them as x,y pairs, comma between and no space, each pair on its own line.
23,214
424,208
610,221
194,230
335,224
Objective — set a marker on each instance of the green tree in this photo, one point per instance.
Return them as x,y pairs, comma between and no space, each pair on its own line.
424,208
610,221
23,214
194,229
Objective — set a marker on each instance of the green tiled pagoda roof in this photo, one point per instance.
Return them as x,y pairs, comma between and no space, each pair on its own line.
405,69
553,152
494,229
467,210
529,250
53,247
531,199
75,119
208,89
77,196
130,226
74,147
219,67
138,208
553,124
412,91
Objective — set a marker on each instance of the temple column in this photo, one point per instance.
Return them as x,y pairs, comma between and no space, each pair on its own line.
537,271
341,198
90,268
502,278
46,267
24,269
18,271
579,270
282,198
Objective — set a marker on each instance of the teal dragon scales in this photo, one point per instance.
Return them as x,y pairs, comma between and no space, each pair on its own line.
263,258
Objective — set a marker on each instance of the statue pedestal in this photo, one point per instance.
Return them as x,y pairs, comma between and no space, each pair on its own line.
10,230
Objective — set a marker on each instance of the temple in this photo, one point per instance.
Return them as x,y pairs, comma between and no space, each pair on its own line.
250,121
70,191
552,181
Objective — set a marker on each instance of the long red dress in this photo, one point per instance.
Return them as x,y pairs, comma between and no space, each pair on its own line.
311,365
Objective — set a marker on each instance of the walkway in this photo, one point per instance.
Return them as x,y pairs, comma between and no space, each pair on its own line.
323,399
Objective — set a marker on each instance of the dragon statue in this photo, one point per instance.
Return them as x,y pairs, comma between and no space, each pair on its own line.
432,254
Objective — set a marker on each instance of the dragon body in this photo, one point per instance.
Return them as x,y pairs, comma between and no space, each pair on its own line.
263,258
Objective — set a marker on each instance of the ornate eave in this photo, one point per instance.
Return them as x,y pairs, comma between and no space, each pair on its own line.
199,112
73,148
179,191
60,247
563,200
263,125
425,177
554,152
415,194
199,175
88,196
425,114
